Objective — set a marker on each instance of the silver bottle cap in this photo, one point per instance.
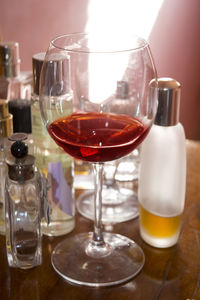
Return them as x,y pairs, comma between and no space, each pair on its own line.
9,59
37,62
122,89
168,102
58,67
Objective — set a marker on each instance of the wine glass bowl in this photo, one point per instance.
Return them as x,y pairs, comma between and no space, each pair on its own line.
77,101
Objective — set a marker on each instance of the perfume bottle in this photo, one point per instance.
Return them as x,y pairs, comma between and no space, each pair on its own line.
13,83
22,207
50,159
162,176
126,167
6,130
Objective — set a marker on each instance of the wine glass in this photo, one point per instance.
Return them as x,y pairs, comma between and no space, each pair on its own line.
77,86
119,203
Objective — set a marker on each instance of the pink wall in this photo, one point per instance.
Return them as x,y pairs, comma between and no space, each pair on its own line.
33,23
175,44
175,40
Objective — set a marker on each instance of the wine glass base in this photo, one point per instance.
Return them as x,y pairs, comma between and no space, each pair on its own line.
113,211
70,261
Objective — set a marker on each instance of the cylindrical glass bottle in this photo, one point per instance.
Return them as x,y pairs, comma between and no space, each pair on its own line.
51,160
163,171
23,208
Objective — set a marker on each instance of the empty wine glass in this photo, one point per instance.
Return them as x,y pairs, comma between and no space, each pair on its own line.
77,88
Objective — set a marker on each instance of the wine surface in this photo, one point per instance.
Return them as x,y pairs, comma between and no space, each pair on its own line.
97,137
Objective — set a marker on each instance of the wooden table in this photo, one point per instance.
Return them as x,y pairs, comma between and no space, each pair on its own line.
168,274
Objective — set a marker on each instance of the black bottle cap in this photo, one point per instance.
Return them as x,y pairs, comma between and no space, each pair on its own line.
20,163
19,149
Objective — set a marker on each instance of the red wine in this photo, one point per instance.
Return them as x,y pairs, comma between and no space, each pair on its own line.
97,137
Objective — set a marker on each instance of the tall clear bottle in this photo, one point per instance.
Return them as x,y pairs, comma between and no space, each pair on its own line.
6,129
50,159
162,176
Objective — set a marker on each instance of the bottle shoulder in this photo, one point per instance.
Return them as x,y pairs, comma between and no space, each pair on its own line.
164,144
160,134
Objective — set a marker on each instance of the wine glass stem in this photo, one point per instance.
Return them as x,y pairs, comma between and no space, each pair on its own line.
96,247
97,234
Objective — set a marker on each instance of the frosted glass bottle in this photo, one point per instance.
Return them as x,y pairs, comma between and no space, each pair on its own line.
52,160
162,175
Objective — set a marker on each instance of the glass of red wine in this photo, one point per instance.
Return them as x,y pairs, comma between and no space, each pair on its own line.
77,92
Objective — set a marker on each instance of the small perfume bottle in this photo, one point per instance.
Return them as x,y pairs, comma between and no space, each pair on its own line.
126,167
13,83
162,176
6,130
22,207
50,159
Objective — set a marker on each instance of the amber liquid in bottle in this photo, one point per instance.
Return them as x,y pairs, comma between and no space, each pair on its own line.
158,229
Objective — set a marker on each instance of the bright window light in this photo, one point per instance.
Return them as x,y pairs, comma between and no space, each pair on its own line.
134,16
116,16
